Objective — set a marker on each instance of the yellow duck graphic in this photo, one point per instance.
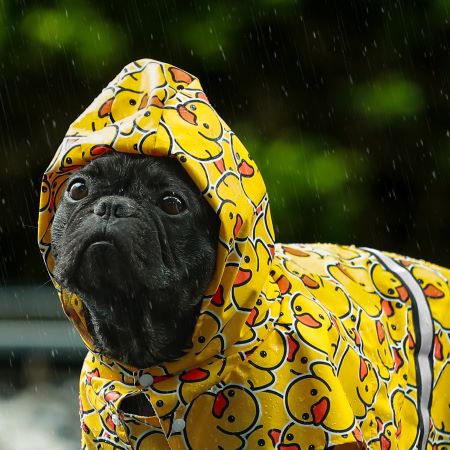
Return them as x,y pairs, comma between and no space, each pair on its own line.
230,413
314,325
311,400
357,283
364,385
436,289
265,359
328,293
440,409
298,437
388,284
204,128
386,437
404,406
267,435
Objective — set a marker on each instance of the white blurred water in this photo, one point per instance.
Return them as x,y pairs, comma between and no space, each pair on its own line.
41,416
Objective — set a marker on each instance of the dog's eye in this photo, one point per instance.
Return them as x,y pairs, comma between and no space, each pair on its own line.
77,190
171,204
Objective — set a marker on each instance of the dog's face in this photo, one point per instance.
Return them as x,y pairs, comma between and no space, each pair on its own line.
135,240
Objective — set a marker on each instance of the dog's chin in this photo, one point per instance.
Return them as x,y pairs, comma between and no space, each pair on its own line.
130,325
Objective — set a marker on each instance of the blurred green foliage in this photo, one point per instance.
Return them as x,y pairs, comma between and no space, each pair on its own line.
211,34
345,107
74,28
388,98
301,175
3,24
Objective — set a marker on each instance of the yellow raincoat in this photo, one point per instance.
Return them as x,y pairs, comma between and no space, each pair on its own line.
296,346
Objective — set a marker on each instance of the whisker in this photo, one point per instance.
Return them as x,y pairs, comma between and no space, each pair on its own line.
43,284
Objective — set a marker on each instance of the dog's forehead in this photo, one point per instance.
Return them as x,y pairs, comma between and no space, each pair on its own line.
151,170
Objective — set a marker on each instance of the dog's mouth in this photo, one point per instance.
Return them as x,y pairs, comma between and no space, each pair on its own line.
105,251
95,257
99,241
102,244
98,251
107,241
101,251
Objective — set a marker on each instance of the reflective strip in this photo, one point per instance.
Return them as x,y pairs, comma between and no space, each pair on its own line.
423,324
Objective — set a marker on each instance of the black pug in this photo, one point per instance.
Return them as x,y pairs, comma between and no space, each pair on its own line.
134,239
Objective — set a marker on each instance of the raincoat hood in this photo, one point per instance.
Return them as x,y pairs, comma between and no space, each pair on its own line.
156,109
295,345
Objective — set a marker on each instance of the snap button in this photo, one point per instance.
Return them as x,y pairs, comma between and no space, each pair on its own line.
145,379
115,419
178,425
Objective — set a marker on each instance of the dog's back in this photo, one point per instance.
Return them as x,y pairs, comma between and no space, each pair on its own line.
382,320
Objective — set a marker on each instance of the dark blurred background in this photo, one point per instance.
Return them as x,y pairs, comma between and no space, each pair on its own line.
344,105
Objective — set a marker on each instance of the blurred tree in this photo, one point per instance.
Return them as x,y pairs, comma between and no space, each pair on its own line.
345,107
77,29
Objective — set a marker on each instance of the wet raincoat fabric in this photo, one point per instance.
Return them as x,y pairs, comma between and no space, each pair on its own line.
296,346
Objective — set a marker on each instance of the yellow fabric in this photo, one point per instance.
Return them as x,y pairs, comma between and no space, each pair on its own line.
310,345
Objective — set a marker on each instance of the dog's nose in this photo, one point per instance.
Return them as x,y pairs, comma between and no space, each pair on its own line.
114,206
